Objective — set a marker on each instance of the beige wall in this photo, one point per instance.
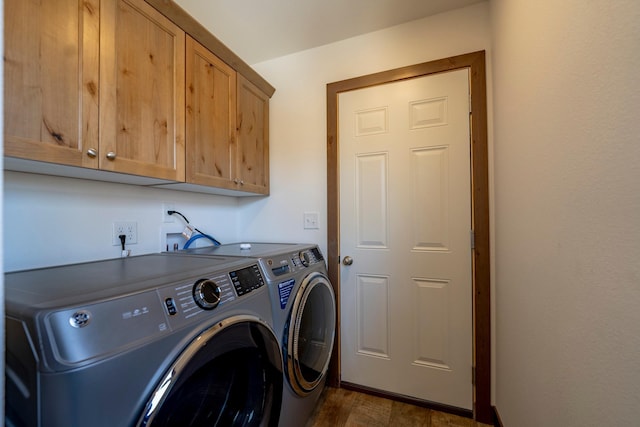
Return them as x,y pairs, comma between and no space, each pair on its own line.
567,211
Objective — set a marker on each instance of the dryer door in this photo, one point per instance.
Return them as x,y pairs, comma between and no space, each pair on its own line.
308,339
230,375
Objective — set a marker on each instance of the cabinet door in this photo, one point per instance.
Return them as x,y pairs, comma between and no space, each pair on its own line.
141,91
211,120
51,80
253,138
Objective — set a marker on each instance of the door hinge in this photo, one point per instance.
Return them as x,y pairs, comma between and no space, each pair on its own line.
473,239
473,375
470,104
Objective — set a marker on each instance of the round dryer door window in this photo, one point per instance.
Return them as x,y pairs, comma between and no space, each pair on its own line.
230,375
310,334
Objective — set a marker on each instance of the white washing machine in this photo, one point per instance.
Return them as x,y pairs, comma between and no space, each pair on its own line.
304,315
154,340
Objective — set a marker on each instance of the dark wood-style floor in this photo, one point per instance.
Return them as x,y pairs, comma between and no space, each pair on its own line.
340,407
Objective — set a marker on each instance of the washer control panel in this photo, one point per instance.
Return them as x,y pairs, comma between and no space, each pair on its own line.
246,279
151,295
194,298
206,294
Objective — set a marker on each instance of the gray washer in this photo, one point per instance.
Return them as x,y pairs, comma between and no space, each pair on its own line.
92,343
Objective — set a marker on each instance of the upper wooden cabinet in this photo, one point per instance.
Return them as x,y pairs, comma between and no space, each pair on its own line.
211,118
51,81
95,84
142,91
227,125
118,86
253,137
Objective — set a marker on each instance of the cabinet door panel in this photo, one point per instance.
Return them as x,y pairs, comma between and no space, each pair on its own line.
253,137
142,95
211,120
51,80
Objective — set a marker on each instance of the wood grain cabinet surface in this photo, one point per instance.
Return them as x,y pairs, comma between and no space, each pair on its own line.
211,119
116,86
227,125
51,81
142,56
253,137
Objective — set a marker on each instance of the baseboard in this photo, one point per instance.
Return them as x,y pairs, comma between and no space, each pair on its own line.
411,400
497,422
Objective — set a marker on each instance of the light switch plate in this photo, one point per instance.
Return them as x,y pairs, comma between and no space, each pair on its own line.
311,221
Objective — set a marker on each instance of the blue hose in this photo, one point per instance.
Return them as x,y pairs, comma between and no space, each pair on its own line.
200,236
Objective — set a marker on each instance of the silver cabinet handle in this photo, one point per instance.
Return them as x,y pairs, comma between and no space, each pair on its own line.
92,152
111,155
347,260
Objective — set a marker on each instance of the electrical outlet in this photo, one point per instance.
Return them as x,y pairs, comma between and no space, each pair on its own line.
311,220
128,228
168,206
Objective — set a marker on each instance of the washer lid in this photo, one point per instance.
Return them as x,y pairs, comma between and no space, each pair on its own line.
256,249
92,281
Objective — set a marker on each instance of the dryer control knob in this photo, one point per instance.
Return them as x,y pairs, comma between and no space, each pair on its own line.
206,294
305,258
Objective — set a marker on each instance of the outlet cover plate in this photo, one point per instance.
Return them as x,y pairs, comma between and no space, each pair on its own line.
168,206
128,228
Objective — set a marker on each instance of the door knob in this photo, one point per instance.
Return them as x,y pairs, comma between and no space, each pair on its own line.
347,260
111,155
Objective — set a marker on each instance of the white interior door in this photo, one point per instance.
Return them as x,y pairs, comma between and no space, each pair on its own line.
405,220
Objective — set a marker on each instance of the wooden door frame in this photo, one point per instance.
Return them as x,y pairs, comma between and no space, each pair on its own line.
475,63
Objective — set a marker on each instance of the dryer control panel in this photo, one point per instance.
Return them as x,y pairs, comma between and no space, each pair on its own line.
280,265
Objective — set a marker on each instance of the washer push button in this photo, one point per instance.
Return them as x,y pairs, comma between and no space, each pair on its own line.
171,306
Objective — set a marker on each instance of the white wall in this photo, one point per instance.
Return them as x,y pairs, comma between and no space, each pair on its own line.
52,220
567,211
298,109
